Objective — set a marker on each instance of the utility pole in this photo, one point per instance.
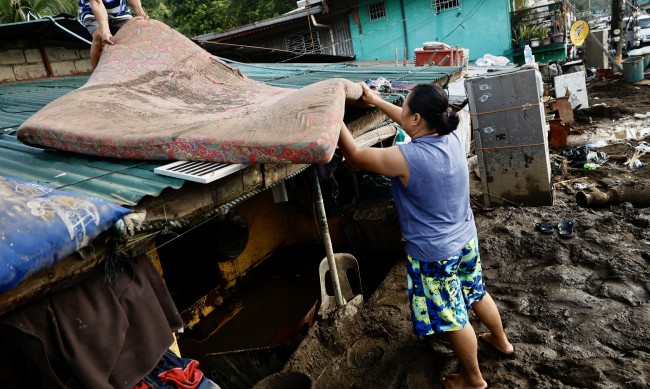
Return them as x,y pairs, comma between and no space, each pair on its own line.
617,24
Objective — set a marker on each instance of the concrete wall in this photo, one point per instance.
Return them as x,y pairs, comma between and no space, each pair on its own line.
480,26
21,61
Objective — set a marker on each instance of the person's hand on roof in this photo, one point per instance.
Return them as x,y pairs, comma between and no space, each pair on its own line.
142,17
107,37
369,96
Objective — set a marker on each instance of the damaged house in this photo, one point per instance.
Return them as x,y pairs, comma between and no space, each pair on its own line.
189,234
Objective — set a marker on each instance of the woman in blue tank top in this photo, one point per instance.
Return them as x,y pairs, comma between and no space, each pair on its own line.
430,184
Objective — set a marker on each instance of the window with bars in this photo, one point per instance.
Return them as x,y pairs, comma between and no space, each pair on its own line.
443,5
376,11
304,42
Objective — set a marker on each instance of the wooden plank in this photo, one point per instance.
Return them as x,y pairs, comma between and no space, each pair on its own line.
366,123
68,270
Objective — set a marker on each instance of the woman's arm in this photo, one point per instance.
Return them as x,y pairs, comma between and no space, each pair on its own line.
369,97
387,161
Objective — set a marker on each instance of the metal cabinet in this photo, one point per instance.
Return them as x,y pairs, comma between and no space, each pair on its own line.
511,137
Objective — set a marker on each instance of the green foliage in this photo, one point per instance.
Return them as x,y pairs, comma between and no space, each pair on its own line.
21,10
196,17
156,10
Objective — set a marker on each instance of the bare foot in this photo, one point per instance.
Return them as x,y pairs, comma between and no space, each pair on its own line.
503,346
457,381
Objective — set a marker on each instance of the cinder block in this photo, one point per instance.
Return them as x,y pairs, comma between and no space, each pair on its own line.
83,66
30,72
7,73
84,53
66,68
33,56
58,54
12,57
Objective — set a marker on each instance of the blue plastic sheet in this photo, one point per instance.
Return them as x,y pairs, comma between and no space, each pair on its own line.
39,226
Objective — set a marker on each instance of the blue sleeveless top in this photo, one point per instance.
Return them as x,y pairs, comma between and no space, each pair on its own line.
433,209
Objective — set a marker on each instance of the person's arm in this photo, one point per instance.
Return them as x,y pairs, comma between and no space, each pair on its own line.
370,97
99,11
387,161
136,6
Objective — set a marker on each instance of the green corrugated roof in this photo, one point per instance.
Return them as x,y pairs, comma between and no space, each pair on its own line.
126,182
300,75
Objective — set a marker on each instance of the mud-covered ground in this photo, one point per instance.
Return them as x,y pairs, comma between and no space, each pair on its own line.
577,310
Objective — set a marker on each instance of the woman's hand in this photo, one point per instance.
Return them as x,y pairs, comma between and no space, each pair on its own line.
369,96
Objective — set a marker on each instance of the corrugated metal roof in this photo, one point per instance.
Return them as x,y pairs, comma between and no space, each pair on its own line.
123,182
256,54
248,28
301,75
126,182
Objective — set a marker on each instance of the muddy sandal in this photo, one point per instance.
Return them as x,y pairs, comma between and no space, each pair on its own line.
565,228
544,227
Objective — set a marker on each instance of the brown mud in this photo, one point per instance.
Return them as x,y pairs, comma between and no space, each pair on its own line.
577,310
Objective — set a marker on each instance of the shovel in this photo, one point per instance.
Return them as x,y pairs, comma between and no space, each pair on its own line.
336,264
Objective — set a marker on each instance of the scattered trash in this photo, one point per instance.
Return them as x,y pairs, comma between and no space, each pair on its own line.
384,85
643,147
594,144
585,157
381,84
639,116
633,162
492,60
628,133
565,228
580,186
544,227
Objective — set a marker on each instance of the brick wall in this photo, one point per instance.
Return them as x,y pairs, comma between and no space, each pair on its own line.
23,61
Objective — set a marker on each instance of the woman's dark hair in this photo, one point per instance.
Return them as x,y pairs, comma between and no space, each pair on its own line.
432,103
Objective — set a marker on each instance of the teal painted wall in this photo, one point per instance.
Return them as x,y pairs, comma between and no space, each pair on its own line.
378,40
483,26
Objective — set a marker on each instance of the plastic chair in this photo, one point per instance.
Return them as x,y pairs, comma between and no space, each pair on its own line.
347,267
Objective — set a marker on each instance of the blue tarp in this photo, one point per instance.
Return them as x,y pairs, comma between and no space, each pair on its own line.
39,226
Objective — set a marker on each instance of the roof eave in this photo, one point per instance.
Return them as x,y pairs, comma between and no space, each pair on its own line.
261,24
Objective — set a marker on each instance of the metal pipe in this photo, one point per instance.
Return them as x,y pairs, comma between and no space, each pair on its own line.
46,59
637,195
406,37
319,25
66,30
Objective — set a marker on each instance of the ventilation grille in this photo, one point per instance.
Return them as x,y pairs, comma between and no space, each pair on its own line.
202,172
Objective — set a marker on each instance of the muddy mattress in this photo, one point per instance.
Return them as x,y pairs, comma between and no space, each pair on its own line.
156,95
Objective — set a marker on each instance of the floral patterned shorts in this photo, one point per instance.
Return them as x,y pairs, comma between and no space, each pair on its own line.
441,293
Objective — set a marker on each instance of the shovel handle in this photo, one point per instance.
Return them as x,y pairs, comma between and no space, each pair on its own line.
322,222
